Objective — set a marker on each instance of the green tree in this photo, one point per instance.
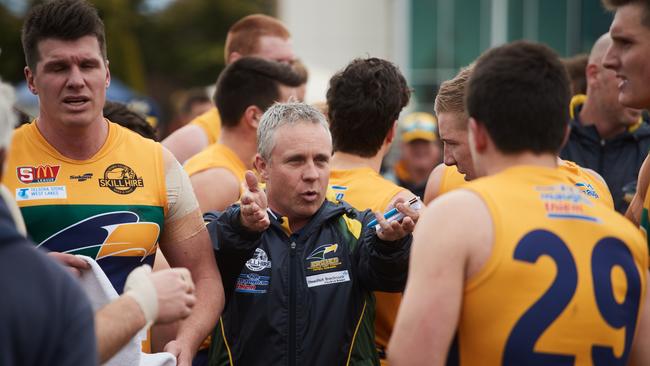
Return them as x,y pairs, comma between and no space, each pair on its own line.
122,19
11,50
155,53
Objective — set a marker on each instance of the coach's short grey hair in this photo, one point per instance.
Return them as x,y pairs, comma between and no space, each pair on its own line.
281,114
8,118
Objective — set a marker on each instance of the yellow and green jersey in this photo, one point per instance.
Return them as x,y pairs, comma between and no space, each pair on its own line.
110,207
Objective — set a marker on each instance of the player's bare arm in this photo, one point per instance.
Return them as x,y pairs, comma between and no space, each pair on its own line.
433,184
444,254
185,243
635,209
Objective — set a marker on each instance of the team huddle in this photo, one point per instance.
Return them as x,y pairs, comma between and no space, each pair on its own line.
262,233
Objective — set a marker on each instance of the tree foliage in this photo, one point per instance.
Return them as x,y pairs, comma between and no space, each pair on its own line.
156,53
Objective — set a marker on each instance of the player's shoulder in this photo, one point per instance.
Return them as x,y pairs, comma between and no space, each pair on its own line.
453,213
434,182
460,205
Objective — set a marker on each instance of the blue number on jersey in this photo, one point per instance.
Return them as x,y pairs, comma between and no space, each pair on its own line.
610,252
607,253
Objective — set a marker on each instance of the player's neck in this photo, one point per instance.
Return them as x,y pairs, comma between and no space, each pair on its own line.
500,162
241,143
343,161
74,142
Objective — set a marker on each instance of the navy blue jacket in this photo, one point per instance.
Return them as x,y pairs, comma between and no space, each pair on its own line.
46,318
304,298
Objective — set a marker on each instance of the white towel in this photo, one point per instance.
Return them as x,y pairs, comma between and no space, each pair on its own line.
100,291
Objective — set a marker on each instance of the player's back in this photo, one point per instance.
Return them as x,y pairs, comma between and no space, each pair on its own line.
210,123
216,156
564,282
363,188
590,185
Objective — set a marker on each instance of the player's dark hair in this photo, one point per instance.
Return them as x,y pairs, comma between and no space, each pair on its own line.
520,92
134,121
364,101
251,81
613,4
66,20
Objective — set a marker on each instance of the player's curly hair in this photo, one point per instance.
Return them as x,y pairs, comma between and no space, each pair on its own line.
364,101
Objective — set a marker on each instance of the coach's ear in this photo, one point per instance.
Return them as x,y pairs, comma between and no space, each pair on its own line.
261,166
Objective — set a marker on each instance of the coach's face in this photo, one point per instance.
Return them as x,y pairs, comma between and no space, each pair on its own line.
70,80
629,53
298,171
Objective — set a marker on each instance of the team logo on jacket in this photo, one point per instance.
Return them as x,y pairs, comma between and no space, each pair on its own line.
120,179
252,283
259,261
324,257
38,174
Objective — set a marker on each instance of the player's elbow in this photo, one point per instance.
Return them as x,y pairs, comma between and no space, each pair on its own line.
397,354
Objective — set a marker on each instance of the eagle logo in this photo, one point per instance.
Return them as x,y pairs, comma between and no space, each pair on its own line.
321,252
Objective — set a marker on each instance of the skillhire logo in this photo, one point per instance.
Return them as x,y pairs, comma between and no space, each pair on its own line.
39,174
120,179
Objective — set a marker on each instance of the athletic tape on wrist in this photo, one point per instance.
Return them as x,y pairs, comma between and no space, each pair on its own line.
140,287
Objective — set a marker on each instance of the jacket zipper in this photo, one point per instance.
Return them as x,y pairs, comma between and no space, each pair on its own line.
600,156
292,305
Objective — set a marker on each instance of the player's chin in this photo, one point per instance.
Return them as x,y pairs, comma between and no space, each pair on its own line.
79,119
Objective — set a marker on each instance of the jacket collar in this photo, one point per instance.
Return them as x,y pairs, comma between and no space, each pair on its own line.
636,132
327,211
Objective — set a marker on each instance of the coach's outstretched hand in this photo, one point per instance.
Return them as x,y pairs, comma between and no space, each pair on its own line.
253,213
395,230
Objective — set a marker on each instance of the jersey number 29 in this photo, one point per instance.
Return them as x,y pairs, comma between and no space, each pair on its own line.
607,253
